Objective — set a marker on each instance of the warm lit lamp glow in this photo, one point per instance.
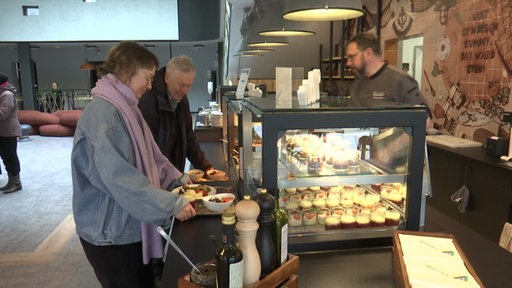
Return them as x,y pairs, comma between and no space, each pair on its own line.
322,10
273,25
247,54
264,43
243,46
87,66
256,50
286,33
254,40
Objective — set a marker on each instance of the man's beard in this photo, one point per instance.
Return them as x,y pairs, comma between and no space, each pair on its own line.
362,68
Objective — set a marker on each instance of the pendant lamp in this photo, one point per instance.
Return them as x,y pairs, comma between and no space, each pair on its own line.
87,65
322,10
273,25
244,48
254,40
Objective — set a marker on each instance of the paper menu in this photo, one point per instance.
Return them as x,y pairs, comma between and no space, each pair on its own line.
434,262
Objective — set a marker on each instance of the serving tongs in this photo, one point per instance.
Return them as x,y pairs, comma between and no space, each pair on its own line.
171,242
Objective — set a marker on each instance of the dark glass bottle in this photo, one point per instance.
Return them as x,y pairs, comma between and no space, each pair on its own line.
280,232
229,259
264,241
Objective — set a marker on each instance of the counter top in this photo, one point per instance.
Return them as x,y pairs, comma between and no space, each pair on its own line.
473,153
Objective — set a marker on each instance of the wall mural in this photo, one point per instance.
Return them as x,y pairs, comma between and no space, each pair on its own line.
472,62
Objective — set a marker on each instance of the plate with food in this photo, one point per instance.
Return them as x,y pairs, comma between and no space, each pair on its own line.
216,175
194,191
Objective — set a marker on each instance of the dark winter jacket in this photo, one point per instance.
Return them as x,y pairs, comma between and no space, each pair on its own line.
172,130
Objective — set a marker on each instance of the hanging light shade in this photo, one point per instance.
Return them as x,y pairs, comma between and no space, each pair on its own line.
87,65
255,40
243,47
256,50
322,10
273,25
248,54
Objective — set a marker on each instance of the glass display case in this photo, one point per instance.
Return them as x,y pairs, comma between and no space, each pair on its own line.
340,171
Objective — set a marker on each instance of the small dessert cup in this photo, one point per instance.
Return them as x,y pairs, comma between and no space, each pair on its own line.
332,223
309,217
322,214
294,218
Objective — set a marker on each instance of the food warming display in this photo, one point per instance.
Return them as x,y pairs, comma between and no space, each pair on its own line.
342,172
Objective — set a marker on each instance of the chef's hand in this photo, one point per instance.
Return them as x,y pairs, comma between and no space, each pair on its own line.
186,213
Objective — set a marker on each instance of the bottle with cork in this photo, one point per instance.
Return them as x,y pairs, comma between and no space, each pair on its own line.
229,259
280,231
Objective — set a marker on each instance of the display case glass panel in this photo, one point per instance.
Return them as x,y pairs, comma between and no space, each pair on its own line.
342,171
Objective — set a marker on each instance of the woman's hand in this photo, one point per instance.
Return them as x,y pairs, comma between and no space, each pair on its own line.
186,213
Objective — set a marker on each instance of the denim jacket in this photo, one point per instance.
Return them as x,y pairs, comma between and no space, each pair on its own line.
110,195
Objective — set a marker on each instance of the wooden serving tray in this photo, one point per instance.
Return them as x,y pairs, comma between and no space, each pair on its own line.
399,270
284,276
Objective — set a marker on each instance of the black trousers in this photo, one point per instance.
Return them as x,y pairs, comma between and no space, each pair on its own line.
119,266
9,155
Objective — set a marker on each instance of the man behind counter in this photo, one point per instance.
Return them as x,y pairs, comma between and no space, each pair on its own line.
375,79
167,112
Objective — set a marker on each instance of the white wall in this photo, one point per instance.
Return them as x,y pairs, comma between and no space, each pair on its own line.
75,20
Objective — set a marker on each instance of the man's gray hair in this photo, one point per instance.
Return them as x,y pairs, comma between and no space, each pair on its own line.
180,63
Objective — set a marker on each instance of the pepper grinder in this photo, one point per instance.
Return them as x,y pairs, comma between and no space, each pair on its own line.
247,212
264,241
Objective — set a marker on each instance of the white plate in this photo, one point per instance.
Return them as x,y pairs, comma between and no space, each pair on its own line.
197,196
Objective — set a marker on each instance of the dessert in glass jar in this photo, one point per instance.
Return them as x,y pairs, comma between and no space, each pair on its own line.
309,217
332,223
319,202
337,211
363,220
322,214
347,221
294,218
315,163
377,219
392,218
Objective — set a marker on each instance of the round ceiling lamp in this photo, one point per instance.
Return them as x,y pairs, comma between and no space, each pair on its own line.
273,25
254,40
322,10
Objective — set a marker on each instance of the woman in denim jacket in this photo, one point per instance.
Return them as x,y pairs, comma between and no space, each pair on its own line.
120,178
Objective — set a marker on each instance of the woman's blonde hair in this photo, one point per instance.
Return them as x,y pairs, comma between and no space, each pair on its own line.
125,59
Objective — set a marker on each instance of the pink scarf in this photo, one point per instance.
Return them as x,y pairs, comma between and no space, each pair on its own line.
148,157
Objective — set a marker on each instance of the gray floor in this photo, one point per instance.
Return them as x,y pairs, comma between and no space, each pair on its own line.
30,255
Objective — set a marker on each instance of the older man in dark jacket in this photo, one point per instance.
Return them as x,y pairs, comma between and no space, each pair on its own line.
167,112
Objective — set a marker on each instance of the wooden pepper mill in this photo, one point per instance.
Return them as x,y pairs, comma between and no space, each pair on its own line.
264,241
247,212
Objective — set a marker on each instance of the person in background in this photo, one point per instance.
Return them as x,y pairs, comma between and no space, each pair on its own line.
57,101
121,180
167,112
10,130
375,79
